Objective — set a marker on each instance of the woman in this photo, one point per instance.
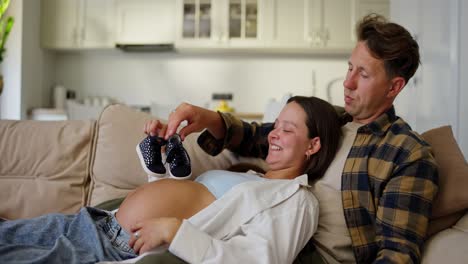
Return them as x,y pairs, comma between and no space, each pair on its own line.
266,218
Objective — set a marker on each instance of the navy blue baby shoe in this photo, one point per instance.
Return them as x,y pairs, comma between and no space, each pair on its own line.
149,152
177,158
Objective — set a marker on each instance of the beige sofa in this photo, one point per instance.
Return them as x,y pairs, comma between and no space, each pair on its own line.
61,166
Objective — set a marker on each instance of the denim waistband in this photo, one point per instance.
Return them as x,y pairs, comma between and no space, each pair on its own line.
111,228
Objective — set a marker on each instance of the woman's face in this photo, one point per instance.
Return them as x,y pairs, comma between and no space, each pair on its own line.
288,141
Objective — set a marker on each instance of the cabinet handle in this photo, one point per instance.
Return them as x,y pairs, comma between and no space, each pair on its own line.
316,38
75,35
223,37
325,36
83,34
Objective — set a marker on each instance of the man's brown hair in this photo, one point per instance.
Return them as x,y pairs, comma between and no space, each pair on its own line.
391,43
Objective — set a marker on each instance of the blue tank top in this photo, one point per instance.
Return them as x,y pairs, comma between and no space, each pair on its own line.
219,182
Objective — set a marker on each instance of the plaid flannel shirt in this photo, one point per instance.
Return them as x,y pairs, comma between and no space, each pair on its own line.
388,184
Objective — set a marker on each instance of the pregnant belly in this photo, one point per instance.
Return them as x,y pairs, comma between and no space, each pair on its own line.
163,198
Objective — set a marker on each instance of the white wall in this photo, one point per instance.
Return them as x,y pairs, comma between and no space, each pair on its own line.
27,69
170,78
437,95
37,65
463,59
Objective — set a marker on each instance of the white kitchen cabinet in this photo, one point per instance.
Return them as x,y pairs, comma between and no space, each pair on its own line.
365,7
337,24
145,22
311,24
289,23
59,20
317,25
220,23
74,24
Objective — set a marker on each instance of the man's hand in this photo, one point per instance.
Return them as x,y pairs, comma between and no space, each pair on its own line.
153,233
155,128
197,119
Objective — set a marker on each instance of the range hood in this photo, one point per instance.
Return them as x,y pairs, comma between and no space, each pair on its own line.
145,25
145,47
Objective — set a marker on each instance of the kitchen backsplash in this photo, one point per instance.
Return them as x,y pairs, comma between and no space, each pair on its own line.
171,78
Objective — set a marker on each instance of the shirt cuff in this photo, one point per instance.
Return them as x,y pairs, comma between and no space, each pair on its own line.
189,243
234,134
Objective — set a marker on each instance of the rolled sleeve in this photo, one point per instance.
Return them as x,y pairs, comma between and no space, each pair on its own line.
245,139
274,236
189,243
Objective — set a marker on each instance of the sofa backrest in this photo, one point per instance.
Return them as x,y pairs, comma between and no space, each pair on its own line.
61,166
116,170
44,166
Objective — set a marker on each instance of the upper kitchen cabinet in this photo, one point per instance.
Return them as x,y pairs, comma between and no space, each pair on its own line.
365,7
323,26
220,23
76,24
145,22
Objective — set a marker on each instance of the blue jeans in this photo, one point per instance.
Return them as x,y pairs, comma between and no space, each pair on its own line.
90,236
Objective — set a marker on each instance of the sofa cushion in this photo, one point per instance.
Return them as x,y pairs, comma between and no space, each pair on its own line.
453,172
44,166
116,169
462,224
448,246
441,223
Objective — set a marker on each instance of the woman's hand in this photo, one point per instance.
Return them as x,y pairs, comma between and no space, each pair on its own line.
153,233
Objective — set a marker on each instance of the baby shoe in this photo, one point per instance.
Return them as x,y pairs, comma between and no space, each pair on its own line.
149,152
177,159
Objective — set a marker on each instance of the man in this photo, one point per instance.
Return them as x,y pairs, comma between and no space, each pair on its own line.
384,174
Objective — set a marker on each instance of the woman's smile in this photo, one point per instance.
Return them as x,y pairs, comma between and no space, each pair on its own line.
274,147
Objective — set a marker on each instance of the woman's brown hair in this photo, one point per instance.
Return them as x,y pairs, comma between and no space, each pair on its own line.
322,121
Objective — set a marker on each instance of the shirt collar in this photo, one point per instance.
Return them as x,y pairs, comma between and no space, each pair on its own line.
303,180
380,126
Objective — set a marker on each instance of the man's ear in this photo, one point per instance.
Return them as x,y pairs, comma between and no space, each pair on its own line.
397,85
314,146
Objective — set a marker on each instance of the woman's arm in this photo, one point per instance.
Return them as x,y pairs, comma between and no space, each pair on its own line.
275,235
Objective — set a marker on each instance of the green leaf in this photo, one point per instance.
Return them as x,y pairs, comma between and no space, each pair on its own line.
3,6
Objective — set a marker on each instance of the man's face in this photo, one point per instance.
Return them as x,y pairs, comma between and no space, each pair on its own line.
366,87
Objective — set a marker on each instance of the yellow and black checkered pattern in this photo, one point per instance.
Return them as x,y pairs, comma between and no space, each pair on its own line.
388,184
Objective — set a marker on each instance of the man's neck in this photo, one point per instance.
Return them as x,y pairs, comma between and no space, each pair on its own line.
372,118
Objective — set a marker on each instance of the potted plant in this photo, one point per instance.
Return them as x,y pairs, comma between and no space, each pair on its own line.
5,27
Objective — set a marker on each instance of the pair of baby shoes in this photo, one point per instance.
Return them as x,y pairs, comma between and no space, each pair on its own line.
177,160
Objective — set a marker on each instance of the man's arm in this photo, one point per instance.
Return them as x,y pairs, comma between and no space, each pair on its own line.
222,131
245,139
197,118
405,207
